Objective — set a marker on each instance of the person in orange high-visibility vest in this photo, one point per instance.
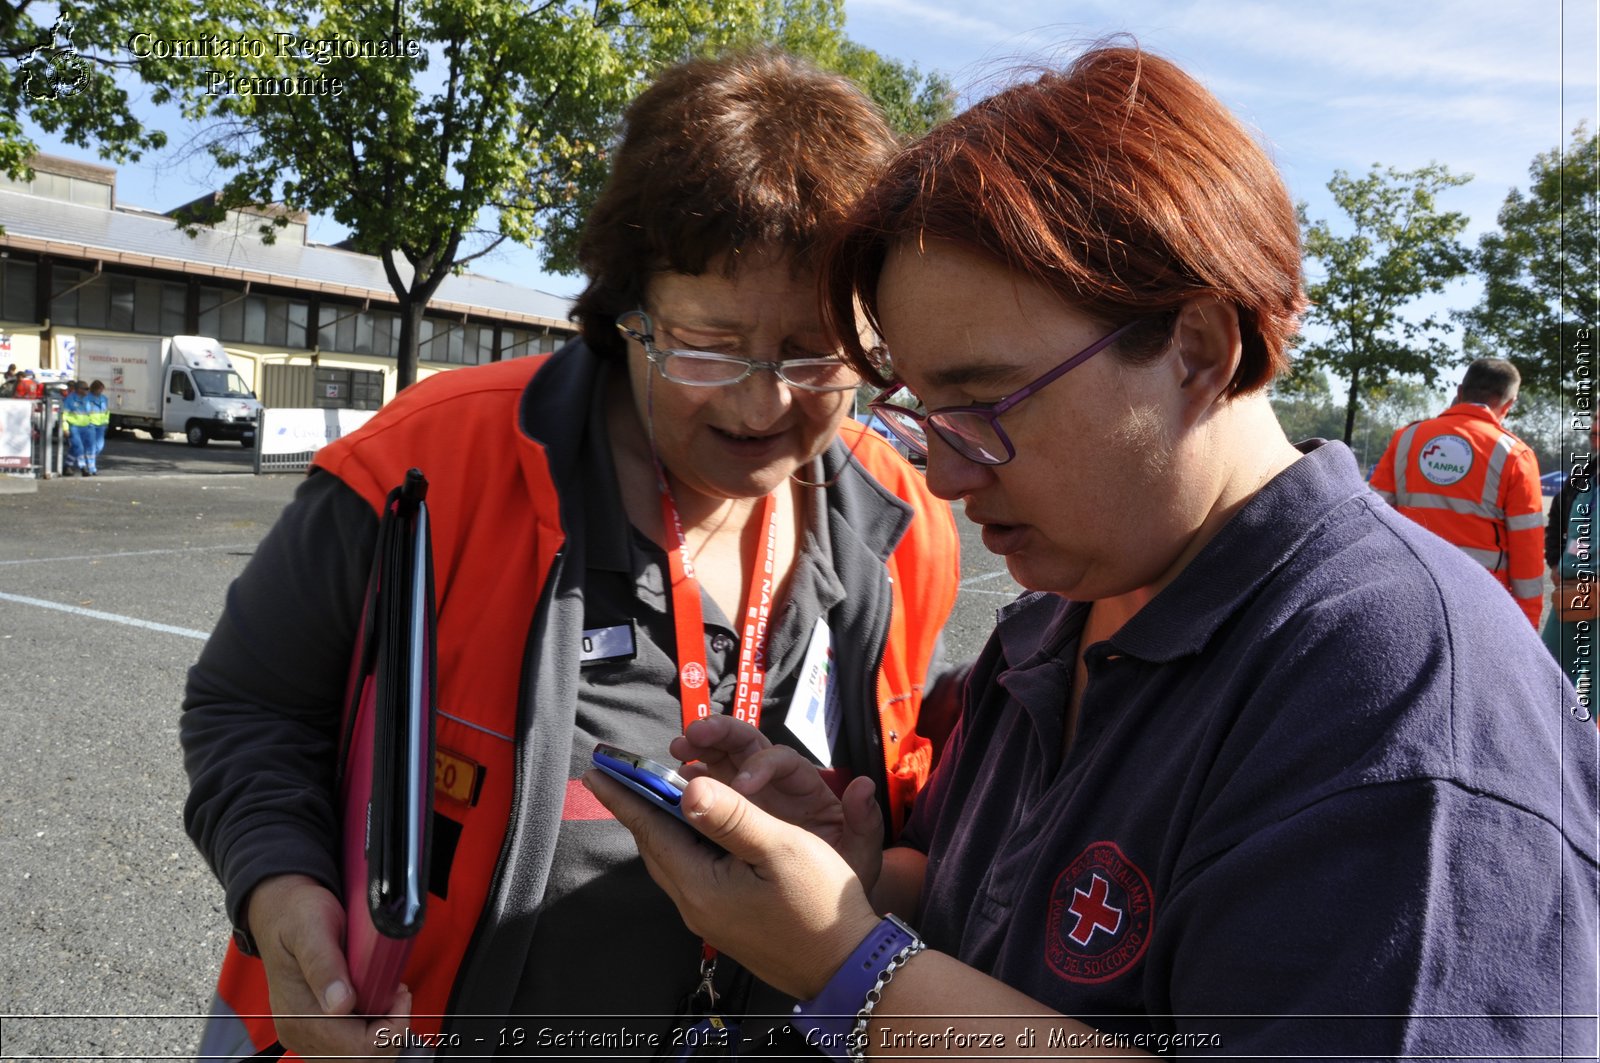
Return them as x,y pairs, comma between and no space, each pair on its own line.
1465,478
674,516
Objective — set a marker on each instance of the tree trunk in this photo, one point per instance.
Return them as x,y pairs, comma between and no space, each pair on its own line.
413,296
411,309
1350,405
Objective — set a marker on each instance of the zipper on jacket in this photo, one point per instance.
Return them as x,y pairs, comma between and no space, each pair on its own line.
875,743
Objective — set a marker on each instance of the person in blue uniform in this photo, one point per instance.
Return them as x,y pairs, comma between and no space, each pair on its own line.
1260,768
75,415
98,408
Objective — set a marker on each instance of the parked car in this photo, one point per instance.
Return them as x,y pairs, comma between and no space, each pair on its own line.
1551,483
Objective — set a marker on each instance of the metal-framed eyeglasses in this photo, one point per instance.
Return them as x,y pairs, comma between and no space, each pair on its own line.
706,369
974,431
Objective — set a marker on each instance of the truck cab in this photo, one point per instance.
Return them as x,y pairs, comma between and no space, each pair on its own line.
204,396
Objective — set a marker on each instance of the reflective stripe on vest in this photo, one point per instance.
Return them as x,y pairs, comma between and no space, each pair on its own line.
1485,507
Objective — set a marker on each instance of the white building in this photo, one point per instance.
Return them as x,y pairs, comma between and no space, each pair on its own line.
306,324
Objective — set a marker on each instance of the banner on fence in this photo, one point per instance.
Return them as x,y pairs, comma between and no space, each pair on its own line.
16,433
297,431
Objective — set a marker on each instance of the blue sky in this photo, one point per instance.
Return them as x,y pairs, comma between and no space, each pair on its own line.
1480,85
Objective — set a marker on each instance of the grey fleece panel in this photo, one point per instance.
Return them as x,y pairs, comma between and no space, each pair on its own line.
499,953
553,412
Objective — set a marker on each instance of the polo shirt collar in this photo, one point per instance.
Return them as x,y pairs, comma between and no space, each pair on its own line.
579,456
606,520
1037,624
566,383
863,509
1243,555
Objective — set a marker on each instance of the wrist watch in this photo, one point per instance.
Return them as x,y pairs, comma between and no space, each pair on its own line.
835,1021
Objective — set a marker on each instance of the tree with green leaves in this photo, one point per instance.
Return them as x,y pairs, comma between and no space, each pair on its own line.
60,73
1309,410
1539,268
474,121
1397,246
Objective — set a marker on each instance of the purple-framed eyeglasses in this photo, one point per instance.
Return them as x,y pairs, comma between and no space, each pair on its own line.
974,431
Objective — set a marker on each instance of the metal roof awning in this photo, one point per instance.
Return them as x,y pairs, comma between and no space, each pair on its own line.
152,241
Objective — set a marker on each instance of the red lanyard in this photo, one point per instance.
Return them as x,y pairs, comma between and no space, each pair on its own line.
689,622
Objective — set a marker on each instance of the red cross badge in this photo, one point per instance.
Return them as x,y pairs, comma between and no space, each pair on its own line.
1101,915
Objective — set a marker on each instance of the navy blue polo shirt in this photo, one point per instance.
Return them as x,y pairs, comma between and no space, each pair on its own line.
1328,795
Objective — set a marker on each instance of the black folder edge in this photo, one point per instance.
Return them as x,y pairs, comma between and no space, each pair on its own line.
394,660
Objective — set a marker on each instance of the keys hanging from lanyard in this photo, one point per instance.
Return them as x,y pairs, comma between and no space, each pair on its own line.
688,619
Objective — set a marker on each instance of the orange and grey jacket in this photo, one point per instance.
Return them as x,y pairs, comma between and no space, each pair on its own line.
509,568
1469,481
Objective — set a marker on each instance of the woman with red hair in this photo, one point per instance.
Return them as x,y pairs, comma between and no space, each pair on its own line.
1261,768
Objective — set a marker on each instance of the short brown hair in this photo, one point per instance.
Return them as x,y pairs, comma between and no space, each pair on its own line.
756,149
1121,184
1490,381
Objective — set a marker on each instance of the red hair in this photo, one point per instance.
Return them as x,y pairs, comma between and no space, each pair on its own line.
1121,184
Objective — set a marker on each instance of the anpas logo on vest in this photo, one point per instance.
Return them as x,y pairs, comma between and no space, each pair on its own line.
1445,459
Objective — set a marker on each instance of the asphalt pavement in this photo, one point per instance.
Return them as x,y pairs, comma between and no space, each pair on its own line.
108,588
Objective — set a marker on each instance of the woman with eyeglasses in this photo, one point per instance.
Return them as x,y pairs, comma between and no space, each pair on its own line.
1261,769
672,518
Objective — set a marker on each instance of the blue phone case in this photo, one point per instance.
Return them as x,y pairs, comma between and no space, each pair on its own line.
658,791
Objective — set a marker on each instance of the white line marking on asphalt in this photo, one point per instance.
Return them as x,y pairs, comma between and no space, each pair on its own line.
969,581
95,614
124,553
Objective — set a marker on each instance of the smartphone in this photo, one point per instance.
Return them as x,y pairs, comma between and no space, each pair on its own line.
651,780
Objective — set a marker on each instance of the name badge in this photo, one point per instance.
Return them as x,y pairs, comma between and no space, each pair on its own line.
813,715
457,777
607,644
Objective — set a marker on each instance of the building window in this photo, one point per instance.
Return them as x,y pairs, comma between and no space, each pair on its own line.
363,340
79,297
89,193
336,328
351,389
299,315
232,312
513,343
174,309
114,301
255,319
264,320
453,343
67,189
277,328
386,334
18,285
119,302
